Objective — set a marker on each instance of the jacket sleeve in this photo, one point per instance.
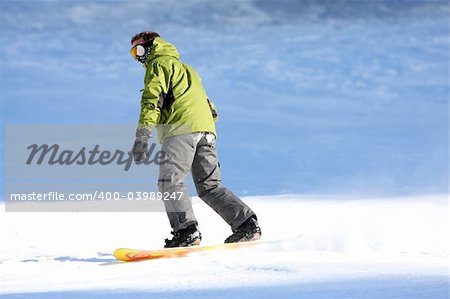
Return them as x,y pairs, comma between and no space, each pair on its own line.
213,109
156,83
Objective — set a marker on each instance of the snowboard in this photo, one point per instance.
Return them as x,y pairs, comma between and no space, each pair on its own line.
135,255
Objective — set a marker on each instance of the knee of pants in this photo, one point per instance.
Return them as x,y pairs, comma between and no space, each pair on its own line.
165,185
204,189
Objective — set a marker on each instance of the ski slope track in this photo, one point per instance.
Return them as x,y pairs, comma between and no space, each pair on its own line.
329,247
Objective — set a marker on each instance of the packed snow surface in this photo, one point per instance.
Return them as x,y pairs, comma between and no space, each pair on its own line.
314,246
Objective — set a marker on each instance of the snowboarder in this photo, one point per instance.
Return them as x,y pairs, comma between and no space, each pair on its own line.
174,101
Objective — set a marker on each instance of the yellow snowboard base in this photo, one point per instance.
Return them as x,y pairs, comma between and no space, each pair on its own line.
134,255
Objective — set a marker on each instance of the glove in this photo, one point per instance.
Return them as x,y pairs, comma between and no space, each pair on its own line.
140,149
140,146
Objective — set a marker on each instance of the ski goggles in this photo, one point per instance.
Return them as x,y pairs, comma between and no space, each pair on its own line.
139,50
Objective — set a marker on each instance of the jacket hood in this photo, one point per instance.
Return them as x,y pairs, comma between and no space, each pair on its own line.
162,47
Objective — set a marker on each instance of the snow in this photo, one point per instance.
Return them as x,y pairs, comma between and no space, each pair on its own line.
328,247
352,95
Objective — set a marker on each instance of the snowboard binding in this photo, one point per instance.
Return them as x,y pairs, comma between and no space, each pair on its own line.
190,236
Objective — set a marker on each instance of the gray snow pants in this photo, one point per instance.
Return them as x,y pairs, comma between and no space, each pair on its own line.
196,152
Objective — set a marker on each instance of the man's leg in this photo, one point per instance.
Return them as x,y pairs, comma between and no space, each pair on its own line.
206,174
179,153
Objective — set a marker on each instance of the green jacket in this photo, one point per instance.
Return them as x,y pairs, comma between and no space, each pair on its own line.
173,98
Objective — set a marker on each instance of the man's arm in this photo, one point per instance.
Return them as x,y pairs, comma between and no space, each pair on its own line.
157,80
213,109
156,86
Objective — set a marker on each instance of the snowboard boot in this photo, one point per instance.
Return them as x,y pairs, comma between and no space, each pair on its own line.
247,231
189,236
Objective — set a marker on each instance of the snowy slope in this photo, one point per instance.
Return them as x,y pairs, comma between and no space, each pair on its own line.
352,94
330,248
